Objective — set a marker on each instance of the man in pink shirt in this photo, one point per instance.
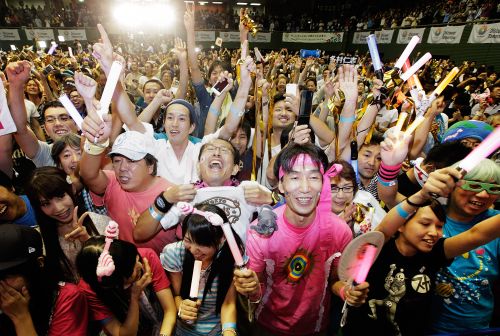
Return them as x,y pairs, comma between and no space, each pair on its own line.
292,273
131,187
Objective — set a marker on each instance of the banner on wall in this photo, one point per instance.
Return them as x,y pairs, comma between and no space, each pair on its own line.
205,36
384,36
313,37
448,34
485,33
405,35
73,34
9,35
360,37
40,34
260,38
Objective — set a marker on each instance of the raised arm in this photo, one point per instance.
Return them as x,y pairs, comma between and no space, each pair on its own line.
162,97
238,106
196,76
422,131
181,53
18,74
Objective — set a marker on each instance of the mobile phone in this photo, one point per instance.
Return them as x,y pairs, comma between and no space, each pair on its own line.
175,86
305,110
220,86
291,89
48,69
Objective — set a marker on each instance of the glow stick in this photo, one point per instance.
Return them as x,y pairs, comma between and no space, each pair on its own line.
68,105
52,49
372,46
195,280
406,53
70,52
420,63
238,259
399,124
485,148
109,88
417,83
414,125
365,263
444,83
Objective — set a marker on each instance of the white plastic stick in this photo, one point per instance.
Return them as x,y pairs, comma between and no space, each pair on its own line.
52,48
406,53
109,88
68,105
372,46
70,52
414,68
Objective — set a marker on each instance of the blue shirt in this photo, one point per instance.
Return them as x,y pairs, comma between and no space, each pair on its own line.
29,218
464,299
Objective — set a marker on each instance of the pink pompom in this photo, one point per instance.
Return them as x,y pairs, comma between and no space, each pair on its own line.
185,208
105,265
112,230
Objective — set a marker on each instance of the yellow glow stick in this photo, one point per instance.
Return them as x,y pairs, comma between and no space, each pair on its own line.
414,125
401,120
444,83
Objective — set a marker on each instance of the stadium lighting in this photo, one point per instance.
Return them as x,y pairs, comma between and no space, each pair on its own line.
202,3
242,3
138,15
217,2
254,4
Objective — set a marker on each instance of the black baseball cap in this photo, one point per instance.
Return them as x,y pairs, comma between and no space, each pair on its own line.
18,244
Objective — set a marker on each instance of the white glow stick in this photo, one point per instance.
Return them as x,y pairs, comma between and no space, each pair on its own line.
372,46
68,105
109,88
401,120
414,68
238,259
70,52
485,148
52,49
414,125
195,280
444,83
406,53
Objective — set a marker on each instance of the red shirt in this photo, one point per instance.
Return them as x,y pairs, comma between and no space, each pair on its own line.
70,315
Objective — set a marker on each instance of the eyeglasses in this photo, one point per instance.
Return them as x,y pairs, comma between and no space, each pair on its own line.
475,186
52,119
222,149
346,189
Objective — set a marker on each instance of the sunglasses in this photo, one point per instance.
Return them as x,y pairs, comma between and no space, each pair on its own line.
475,186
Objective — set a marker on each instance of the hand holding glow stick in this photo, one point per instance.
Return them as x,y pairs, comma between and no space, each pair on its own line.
109,88
195,280
68,105
444,83
52,49
414,68
70,52
414,126
485,148
372,46
406,53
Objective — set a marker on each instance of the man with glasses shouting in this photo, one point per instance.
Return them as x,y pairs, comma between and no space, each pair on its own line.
57,121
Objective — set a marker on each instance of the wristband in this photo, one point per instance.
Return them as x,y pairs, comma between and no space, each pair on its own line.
155,214
389,173
342,292
386,183
347,119
235,112
162,204
94,149
402,212
213,111
229,325
417,205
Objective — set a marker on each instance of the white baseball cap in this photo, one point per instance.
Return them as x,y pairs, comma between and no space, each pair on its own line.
133,145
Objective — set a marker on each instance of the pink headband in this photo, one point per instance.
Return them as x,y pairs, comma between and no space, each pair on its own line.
105,264
186,209
304,160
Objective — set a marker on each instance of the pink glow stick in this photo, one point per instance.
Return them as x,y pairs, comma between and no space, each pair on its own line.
414,68
406,53
485,148
365,263
238,259
195,280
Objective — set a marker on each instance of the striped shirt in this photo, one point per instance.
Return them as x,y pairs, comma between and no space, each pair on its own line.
208,323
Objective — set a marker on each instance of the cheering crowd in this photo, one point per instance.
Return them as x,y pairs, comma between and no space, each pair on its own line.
214,193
